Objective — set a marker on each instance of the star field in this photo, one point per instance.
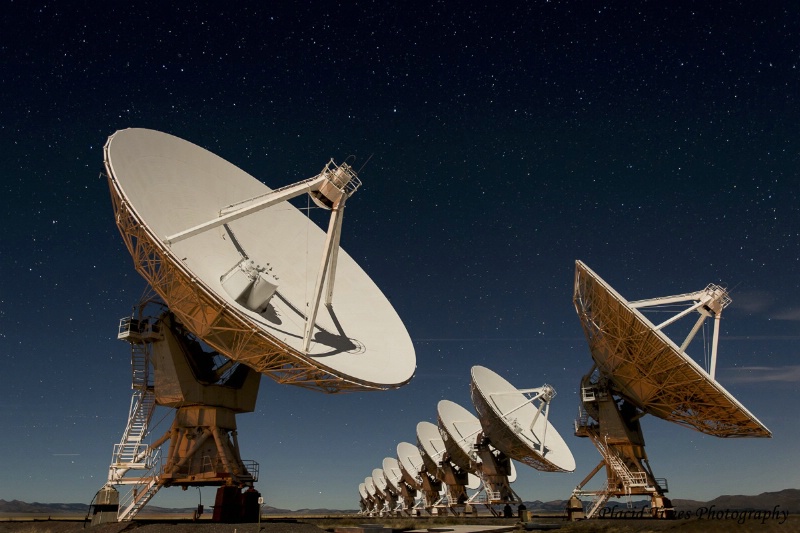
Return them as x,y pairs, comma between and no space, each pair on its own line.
657,142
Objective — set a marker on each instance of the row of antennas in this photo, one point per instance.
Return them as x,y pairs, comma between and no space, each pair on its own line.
465,453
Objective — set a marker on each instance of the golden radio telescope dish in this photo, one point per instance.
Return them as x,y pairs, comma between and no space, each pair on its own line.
648,368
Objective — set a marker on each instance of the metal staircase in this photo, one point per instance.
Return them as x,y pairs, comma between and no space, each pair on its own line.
139,495
142,405
623,473
601,497
132,453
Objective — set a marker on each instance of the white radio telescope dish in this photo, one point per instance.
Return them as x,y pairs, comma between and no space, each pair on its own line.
248,273
392,473
459,430
468,448
517,425
411,464
416,475
369,482
431,446
241,271
380,481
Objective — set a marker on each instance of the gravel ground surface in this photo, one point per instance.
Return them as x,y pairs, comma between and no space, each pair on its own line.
589,526
77,527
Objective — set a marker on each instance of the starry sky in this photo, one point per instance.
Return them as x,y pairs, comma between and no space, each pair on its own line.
656,141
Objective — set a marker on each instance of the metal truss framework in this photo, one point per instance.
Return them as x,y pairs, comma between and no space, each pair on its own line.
212,320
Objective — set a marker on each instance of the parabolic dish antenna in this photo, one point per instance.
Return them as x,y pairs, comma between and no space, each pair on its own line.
432,450
431,446
392,473
370,485
410,463
459,430
245,271
417,477
470,451
649,369
517,426
380,480
362,490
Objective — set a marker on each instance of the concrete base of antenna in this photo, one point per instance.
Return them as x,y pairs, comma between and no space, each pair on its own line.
575,509
106,506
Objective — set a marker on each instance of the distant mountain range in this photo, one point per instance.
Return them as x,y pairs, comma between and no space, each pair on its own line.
787,500
18,507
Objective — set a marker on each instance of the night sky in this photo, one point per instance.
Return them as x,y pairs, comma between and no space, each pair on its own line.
656,141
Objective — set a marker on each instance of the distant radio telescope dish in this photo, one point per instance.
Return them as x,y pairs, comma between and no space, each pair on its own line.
411,464
649,369
380,481
369,483
362,490
393,474
518,425
467,448
431,446
416,475
432,450
459,430
248,273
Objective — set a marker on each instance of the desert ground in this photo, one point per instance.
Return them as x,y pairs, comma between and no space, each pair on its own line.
21,524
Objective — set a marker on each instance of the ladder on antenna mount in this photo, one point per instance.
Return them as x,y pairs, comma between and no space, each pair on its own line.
132,452
601,497
621,471
629,479
138,497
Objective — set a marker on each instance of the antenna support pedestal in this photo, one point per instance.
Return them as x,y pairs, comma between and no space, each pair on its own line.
170,369
612,424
